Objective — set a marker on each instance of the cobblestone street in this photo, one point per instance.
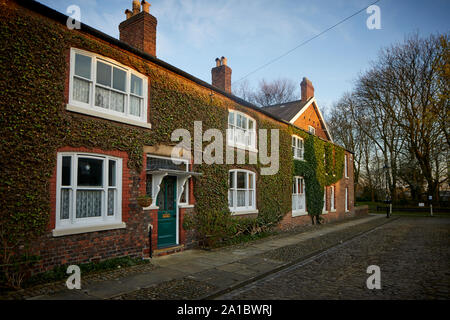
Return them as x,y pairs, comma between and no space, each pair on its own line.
412,253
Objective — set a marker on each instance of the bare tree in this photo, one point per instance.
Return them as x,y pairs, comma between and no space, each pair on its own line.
268,92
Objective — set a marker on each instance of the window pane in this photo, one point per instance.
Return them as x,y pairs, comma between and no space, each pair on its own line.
136,85
250,124
119,79
250,181
65,204
241,177
104,74
231,118
102,97
239,120
250,198
90,172
83,66
148,185
135,106
241,198
112,173
231,181
117,102
66,171
111,201
89,203
81,90
231,198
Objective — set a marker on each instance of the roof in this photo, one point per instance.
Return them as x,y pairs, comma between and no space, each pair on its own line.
286,111
62,18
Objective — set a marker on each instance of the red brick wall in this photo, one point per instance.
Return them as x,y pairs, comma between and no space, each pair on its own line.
310,117
289,222
81,248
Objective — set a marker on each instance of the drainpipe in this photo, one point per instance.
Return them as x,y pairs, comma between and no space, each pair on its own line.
150,231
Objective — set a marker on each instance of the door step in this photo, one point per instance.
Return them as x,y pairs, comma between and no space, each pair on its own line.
166,251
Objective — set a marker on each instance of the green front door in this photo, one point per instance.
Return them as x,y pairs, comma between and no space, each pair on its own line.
167,214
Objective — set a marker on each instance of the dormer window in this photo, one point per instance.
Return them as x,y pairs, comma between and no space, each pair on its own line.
241,131
104,88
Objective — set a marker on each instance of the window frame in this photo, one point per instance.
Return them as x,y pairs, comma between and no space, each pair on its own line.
231,132
332,199
97,111
297,138
104,220
296,192
233,189
311,129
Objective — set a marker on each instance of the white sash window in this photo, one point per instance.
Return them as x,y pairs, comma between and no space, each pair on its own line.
88,190
241,131
298,197
102,87
297,148
241,195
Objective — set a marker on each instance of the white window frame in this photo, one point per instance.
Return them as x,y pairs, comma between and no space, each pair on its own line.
247,209
296,148
75,225
311,130
332,202
298,193
324,209
249,135
93,110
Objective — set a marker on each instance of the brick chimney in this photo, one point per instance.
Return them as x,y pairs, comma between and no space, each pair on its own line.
139,28
307,89
221,75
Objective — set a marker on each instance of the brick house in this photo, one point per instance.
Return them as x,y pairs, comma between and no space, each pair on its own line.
91,127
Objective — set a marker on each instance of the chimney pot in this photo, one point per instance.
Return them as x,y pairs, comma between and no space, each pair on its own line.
129,13
136,7
145,6
224,61
218,63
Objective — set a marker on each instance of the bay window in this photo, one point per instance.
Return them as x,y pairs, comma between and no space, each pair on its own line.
102,87
241,131
241,194
88,190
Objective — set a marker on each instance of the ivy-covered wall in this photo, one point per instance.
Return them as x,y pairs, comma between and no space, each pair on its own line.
34,63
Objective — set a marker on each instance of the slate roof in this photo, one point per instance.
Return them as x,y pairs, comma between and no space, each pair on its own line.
286,111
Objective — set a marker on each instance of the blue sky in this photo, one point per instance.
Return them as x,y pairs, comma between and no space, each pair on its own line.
192,33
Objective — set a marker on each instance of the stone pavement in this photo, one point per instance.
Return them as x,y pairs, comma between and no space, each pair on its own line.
197,274
413,254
